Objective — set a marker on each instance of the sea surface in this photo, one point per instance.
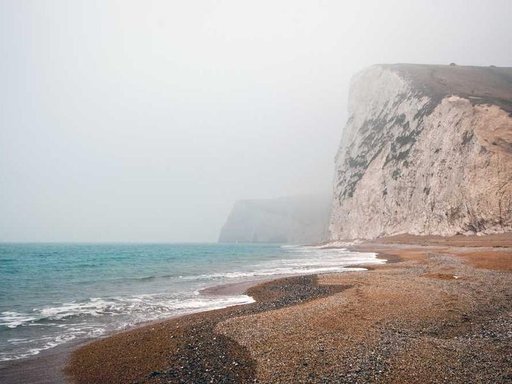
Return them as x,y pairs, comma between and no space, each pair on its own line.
51,294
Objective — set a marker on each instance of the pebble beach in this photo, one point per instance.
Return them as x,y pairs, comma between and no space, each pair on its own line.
430,315
439,311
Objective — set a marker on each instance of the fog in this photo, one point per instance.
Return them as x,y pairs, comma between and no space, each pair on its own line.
146,120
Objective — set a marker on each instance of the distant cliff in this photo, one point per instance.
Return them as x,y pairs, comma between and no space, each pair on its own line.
426,150
292,220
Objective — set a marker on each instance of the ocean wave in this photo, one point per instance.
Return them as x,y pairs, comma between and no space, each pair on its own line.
316,261
143,305
28,332
271,272
43,343
136,309
12,319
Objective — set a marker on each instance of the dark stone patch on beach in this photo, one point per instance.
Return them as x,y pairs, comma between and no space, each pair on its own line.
187,349
207,358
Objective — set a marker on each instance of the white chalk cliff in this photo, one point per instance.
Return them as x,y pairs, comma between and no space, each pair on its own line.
426,150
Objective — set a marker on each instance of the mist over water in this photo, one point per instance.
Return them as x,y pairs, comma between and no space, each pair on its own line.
145,121
128,129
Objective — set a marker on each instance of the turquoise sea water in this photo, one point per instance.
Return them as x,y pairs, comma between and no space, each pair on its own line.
51,294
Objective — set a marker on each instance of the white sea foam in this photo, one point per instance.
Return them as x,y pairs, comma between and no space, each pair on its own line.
136,309
117,306
282,271
43,343
13,319
334,244
96,316
314,261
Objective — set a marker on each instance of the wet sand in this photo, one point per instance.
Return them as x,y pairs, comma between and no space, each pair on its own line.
47,368
439,312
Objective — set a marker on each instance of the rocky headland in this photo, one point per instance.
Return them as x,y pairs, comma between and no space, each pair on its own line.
291,220
427,150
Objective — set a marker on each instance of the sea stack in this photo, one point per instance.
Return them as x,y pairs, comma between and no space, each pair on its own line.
427,150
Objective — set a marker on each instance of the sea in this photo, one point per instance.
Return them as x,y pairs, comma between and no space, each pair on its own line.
52,294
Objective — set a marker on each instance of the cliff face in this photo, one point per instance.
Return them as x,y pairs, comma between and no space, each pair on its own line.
292,220
426,150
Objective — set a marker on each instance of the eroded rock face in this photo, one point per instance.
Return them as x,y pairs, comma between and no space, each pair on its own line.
426,150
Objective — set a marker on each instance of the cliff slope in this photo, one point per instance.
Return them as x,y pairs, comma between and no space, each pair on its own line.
426,150
292,220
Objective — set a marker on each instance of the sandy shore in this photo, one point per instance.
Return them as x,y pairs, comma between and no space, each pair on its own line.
439,312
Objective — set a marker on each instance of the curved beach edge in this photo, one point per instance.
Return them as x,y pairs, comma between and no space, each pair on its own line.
438,309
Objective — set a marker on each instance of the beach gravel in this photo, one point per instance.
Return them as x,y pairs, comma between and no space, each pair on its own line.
434,315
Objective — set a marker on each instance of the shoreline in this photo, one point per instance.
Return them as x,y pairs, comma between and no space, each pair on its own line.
191,335
49,365
432,263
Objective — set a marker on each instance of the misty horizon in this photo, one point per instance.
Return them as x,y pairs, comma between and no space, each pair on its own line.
131,122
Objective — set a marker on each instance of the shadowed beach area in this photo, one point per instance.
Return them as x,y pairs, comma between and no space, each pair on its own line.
439,311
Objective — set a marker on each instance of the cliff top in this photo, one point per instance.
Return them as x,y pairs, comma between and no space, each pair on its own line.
481,85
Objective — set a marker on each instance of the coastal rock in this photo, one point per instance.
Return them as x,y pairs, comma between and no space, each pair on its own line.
291,220
426,150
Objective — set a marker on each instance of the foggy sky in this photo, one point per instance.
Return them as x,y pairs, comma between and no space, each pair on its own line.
146,120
